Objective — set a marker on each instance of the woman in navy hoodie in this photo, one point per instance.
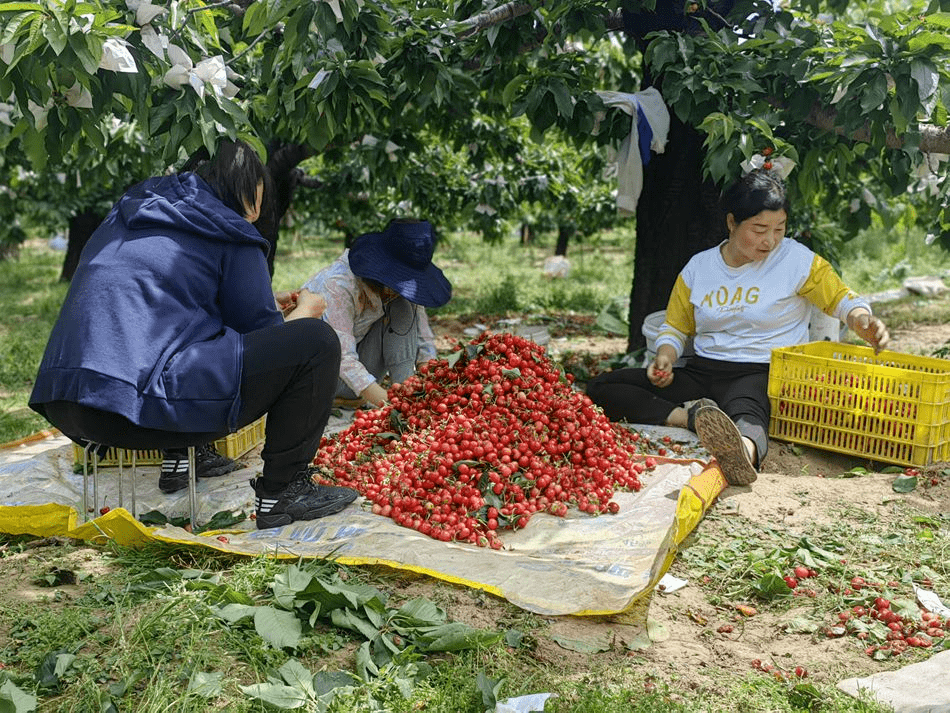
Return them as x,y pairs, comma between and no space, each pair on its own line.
170,326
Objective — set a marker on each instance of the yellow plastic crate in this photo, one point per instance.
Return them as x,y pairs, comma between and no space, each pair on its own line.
233,446
237,444
888,407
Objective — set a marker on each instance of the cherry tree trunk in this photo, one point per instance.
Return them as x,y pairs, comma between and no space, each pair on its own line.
282,162
678,215
678,212
564,233
81,227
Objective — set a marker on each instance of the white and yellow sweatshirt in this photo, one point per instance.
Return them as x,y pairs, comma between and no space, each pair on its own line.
741,313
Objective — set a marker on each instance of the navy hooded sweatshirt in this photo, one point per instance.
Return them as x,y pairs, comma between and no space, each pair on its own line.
152,324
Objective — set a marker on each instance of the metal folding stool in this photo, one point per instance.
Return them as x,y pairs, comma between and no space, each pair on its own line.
95,449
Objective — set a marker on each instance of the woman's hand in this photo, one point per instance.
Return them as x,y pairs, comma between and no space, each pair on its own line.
374,394
660,370
306,304
870,328
286,301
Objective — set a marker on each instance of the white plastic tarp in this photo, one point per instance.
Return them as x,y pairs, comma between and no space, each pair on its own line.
574,565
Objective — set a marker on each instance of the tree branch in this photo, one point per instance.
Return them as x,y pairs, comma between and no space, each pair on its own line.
306,181
500,14
194,10
247,49
511,10
933,139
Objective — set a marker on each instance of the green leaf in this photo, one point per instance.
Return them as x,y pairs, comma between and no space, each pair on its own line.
52,668
365,668
56,37
807,550
920,42
15,700
583,646
514,638
508,94
614,317
336,596
297,675
802,625
490,688
233,613
326,681
13,25
875,92
34,145
904,483
638,642
288,584
255,18
206,685
455,636
771,586
349,619
491,34
805,696
563,98
89,51
420,612
386,641
277,627
278,695
926,76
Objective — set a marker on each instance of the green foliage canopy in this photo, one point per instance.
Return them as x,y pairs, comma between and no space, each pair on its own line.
857,96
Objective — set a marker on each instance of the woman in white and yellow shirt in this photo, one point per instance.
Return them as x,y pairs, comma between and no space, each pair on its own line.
739,300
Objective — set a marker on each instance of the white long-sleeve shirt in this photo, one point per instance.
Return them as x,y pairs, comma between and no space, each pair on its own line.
352,309
742,313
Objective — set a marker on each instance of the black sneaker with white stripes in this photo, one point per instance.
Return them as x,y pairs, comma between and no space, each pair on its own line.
301,499
208,464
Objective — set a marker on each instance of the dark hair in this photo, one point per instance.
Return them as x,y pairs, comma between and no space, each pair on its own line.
758,190
374,285
233,173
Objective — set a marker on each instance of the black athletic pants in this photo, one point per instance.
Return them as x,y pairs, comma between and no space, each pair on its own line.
290,372
741,390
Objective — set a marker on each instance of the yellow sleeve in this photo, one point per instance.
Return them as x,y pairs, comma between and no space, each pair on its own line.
679,310
824,288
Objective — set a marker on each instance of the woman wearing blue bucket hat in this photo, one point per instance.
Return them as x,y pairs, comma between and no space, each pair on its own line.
376,294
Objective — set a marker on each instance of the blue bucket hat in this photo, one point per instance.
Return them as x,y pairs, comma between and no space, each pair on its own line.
400,257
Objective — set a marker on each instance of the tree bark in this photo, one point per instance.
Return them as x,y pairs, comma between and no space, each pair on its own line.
282,162
496,16
678,215
933,139
80,229
564,233
678,212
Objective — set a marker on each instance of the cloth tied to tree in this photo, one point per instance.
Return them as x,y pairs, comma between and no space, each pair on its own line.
648,131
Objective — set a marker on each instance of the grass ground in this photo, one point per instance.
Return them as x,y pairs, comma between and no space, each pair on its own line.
95,627
499,280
